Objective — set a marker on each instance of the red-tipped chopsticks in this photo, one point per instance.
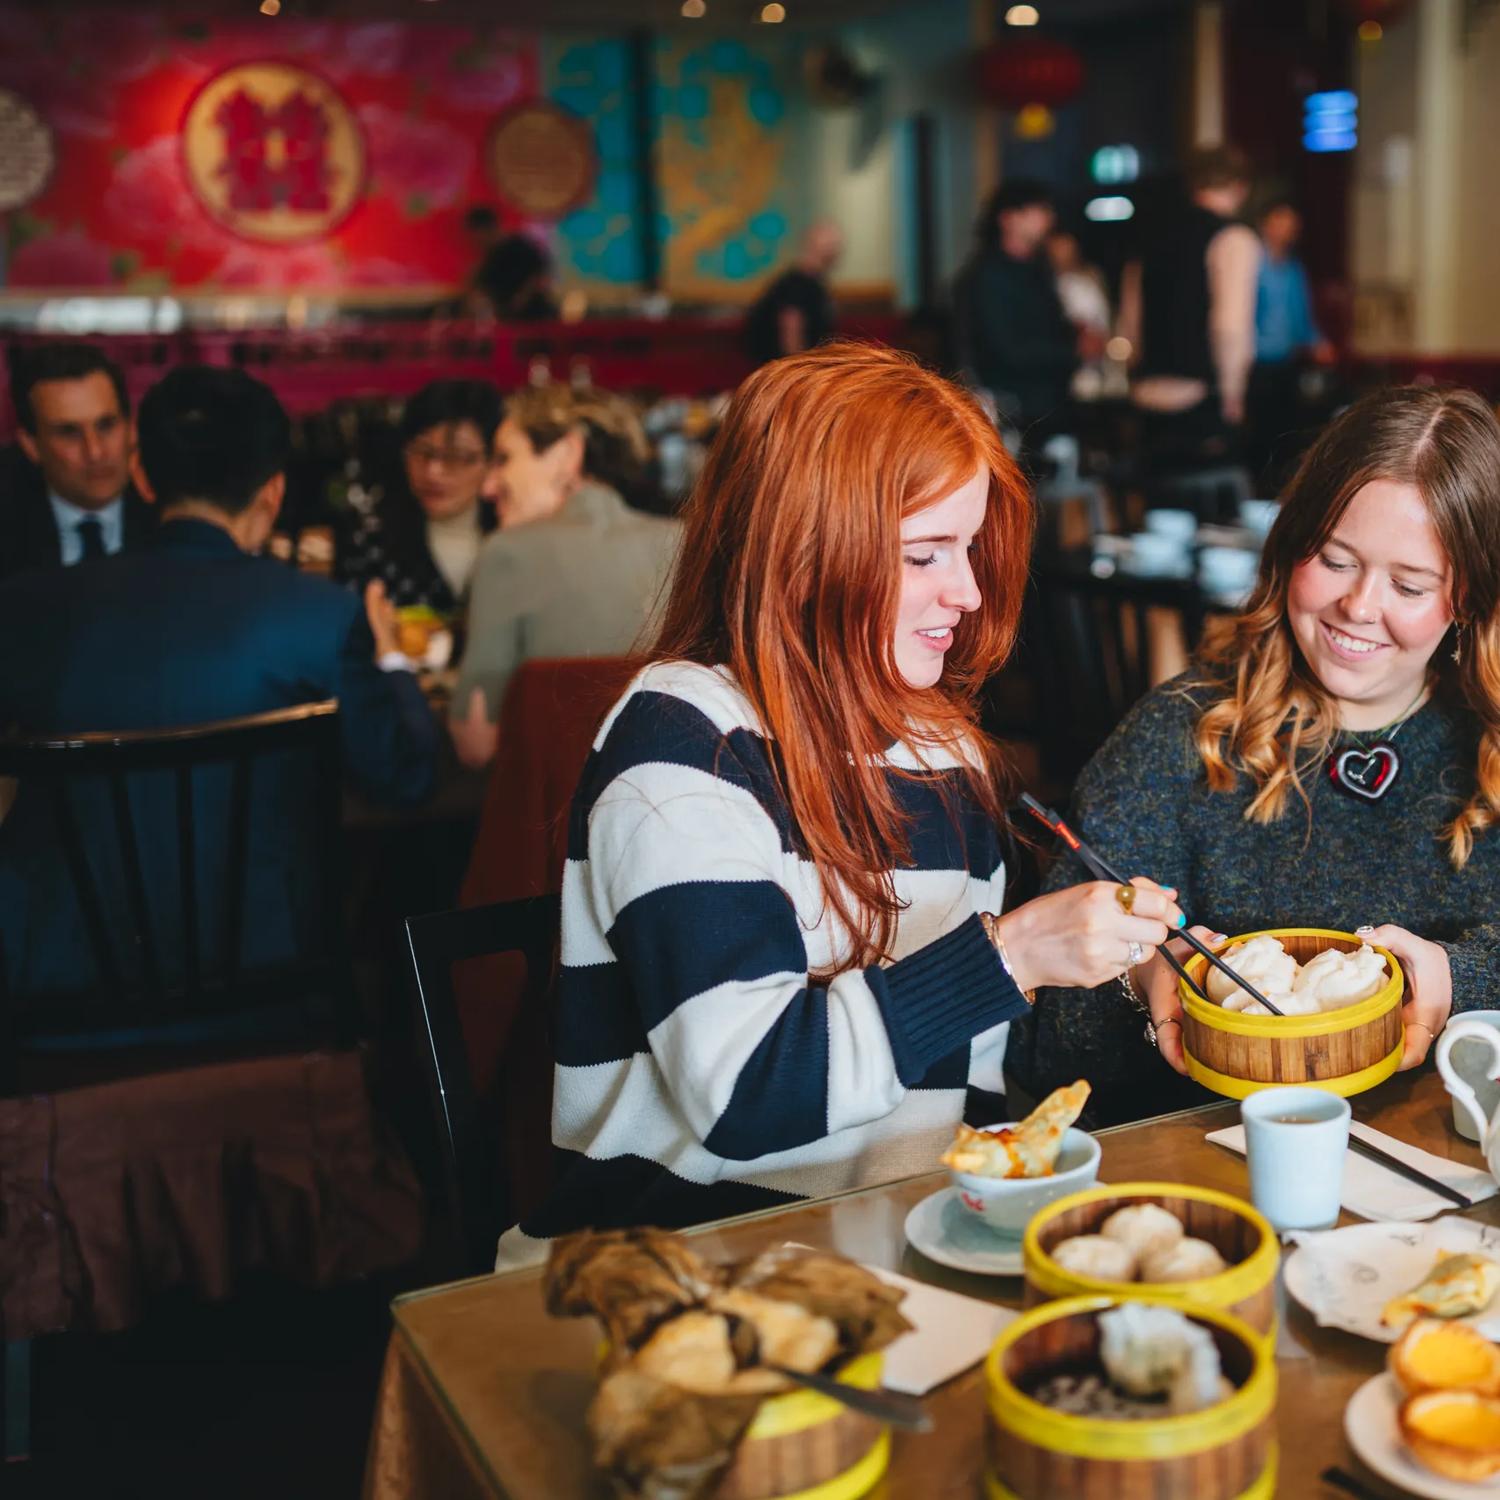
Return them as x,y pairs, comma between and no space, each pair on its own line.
1102,871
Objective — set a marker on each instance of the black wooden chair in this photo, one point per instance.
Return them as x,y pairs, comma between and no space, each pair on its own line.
151,972
158,963
469,1128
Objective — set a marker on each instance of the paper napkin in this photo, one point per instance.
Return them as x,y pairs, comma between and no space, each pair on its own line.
950,1333
1375,1192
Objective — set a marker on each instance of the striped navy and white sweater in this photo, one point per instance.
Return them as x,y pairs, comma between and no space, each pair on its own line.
701,1071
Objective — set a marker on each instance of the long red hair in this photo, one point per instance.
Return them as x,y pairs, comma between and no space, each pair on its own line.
790,575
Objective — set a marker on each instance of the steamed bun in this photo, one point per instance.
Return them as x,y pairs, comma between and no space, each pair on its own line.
1146,1229
1188,1260
1093,1255
1334,979
1263,961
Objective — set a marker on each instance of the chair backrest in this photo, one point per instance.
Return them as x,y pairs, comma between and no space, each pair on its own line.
470,1129
157,965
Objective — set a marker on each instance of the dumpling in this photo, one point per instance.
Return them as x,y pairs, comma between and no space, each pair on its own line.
1149,1350
1187,1260
1093,1255
1263,961
1146,1229
1334,978
1289,1003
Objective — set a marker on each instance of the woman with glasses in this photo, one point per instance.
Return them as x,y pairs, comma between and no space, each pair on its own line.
421,539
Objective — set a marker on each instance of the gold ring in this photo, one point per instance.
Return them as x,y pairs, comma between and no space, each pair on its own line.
1125,896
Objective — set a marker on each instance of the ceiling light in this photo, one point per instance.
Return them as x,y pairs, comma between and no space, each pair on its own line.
1110,210
1370,31
773,13
270,7
694,9
1022,15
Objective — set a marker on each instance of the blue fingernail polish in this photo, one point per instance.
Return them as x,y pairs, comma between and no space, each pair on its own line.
1181,920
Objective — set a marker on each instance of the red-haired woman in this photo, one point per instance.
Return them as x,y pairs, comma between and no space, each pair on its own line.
781,967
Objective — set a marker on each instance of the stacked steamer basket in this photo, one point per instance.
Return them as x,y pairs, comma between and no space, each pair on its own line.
1345,1051
1034,1452
1246,1288
806,1446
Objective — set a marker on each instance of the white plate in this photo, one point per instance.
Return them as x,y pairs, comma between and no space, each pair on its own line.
1382,1262
945,1231
1371,1427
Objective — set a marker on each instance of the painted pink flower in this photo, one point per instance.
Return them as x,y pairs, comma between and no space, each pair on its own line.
424,164
69,259
150,198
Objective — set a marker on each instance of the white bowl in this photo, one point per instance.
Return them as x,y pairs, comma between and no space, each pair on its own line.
1180,525
1006,1204
1259,515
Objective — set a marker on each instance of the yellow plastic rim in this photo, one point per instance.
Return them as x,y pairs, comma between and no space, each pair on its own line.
1388,997
1264,1488
852,1482
1239,1282
1105,1438
1344,1085
797,1410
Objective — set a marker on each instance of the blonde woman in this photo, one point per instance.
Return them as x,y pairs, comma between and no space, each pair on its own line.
573,571
1332,759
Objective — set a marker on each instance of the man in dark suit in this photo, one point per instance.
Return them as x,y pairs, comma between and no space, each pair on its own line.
194,628
69,499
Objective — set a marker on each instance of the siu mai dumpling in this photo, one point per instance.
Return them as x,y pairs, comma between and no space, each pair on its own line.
1145,1229
1263,961
1334,978
1093,1255
1188,1260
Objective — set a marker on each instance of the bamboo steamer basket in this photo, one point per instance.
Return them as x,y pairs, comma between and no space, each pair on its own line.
1246,1289
1344,1051
806,1446
1034,1452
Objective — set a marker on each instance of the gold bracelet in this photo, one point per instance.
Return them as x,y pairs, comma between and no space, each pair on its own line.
991,925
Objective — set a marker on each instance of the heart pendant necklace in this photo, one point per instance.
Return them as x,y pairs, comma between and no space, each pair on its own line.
1369,771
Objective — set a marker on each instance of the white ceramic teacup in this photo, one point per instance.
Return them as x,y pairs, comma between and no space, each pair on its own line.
1259,515
1474,1066
1295,1142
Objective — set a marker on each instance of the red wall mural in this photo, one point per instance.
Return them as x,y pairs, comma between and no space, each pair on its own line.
348,162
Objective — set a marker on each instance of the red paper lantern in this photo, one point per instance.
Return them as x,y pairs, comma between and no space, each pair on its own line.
1029,70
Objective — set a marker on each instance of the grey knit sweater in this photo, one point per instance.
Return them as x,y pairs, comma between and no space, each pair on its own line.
1143,803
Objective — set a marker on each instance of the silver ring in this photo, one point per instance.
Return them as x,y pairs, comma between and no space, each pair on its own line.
1137,955
1361,931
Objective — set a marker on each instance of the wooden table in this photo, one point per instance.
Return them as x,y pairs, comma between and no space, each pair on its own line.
484,1394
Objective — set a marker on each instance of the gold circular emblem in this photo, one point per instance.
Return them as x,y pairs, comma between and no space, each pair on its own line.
542,160
273,152
27,153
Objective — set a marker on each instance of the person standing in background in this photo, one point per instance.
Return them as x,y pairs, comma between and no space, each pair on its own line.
1286,334
1014,338
795,312
1085,304
1187,306
73,501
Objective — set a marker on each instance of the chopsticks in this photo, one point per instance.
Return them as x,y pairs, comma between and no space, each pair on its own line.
1411,1173
1341,1479
895,1407
1102,871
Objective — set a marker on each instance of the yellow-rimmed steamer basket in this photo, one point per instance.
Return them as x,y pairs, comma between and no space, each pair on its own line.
1246,1288
807,1446
1034,1452
1344,1051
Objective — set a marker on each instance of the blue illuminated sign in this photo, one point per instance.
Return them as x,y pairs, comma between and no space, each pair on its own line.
1330,121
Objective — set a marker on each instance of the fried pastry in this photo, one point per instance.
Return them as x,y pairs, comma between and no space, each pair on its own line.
1025,1150
1455,1287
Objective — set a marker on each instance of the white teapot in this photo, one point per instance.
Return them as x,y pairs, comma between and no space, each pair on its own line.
1468,1110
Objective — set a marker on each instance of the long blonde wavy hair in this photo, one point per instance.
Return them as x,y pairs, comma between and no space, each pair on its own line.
1267,715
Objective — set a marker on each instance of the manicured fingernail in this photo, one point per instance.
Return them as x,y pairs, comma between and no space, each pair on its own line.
1181,920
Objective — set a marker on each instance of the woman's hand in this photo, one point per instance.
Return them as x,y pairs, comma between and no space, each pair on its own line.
381,614
1429,987
474,736
1157,983
1083,937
